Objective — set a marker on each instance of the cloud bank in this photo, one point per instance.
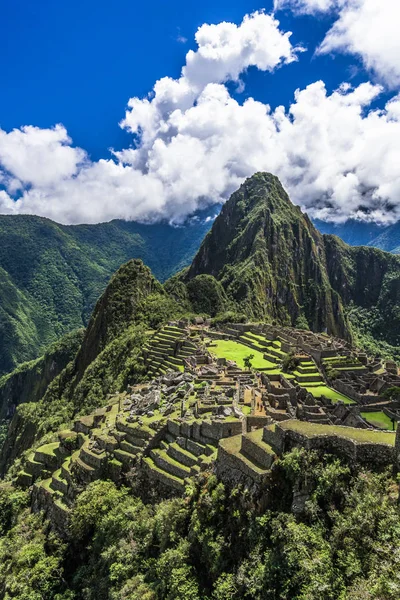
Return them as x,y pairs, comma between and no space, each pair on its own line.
366,28
193,143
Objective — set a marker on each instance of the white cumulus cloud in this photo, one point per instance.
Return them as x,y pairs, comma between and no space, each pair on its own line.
40,157
366,28
306,6
194,144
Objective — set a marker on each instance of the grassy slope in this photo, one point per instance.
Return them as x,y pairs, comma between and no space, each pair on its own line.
323,390
379,419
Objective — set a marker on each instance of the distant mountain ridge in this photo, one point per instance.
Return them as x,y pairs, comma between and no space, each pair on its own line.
358,233
51,275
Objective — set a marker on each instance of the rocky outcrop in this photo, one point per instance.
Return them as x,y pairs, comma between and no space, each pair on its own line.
117,309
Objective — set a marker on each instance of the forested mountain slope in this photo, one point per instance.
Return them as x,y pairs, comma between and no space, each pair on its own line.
51,275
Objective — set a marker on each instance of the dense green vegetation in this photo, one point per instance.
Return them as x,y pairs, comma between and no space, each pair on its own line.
368,326
51,275
29,381
215,542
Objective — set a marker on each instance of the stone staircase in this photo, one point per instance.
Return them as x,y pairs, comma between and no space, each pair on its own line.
271,348
177,458
167,350
307,373
345,364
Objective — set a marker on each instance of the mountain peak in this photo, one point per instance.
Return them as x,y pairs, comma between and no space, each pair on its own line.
262,189
265,252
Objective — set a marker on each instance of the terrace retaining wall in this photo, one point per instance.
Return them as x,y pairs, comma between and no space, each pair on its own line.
367,454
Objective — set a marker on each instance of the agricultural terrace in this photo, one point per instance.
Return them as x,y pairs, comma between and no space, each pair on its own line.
357,435
324,390
379,419
232,350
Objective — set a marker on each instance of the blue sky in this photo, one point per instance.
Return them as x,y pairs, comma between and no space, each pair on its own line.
78,64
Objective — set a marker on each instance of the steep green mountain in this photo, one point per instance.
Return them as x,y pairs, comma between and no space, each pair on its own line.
367,279
106,359
274,264
318,527
51,275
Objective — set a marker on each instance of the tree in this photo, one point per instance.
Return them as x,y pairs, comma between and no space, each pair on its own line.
247,361
290,362
301,323
392,393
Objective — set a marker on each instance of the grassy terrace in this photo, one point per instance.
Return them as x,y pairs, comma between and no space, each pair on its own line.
233,445
379,419
50,449
235,351
256,438
323,390
256,336
357,435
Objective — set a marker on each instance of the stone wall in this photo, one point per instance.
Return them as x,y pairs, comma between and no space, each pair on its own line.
160,478
275,438
276,415
218,430
348,390
260,456
233,471
366,454
252,422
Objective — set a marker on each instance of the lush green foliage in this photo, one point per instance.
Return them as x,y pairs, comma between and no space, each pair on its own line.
29,381
215,543
207,295
108,359
229,316
392,393
51,275
290,363
369,326
301,323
